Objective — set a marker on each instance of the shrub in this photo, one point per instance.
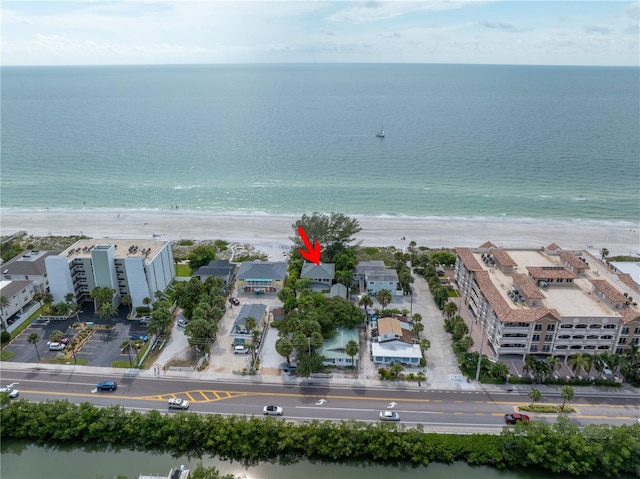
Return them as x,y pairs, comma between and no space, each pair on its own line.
520,380
545,408
5,337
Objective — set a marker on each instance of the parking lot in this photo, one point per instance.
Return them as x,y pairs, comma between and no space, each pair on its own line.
101,349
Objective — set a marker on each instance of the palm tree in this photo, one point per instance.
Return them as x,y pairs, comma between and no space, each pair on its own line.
396,369
535,395
284,348
4,302
384,297
69,297
417,328
598,363
499,370
33,339
48,300
127,301
554,364
345,278
417,317
450,309
424,345
366,301
604,252
39,297
567,394
579,362
352,348
530,362
147,301
108,311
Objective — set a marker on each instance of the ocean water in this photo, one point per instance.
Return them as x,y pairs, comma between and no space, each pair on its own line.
520,142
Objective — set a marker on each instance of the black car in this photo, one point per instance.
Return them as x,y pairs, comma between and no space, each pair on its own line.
107,386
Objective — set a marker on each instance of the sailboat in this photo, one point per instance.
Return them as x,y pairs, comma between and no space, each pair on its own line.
380,134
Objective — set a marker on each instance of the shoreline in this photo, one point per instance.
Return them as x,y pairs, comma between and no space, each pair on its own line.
273,231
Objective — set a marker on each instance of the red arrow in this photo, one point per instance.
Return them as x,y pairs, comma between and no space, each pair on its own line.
312,253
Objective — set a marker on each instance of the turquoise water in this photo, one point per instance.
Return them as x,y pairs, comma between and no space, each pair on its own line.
461,140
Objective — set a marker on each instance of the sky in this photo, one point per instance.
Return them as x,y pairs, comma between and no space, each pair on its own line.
543,32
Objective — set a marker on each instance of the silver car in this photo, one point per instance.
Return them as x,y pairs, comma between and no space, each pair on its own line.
13,393
272,411
389,416
178,403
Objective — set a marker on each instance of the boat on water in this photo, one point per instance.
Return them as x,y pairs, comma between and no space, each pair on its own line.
380,134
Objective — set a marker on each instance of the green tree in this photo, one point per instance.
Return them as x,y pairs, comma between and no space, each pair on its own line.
33,338
160,320
334,232
535,395
384,297
396,369
56,335
567,394
554,364
127,301
417,328
499,370
345,278
351,348
201,256
309,363
579,362
108,311
284,348
450,309
604,252
39,297
48,300
365,301
200,331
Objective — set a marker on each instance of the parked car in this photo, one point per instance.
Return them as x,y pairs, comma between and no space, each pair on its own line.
107,386
240,350
183,322
13,393
272,411
140,337
289,367
389,416
515,417
56,346
145,320
65,340
234,301
175,403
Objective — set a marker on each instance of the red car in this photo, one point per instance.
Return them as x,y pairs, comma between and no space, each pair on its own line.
516,417
234,301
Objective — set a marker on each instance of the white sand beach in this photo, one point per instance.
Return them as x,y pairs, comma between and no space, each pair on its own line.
271,233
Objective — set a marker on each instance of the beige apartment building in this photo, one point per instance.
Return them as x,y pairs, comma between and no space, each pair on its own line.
546,301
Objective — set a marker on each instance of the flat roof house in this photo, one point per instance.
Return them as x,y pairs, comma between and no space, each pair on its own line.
546,301
137,268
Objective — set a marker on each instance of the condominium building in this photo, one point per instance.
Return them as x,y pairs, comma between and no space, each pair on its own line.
546,301
137,268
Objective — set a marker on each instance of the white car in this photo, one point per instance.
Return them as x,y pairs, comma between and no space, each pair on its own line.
57,346
13,393
272,411
240,350
178,403
389,416
182,322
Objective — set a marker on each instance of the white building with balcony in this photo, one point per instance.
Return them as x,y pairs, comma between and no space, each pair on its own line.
137,268
546,301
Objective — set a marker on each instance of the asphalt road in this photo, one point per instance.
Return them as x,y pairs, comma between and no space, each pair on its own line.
443,411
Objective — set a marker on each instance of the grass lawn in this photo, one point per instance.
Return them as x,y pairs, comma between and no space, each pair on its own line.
183,270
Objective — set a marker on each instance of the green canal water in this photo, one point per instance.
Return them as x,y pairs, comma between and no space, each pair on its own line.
22,460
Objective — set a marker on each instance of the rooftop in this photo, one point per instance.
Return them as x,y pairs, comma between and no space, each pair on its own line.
124,248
